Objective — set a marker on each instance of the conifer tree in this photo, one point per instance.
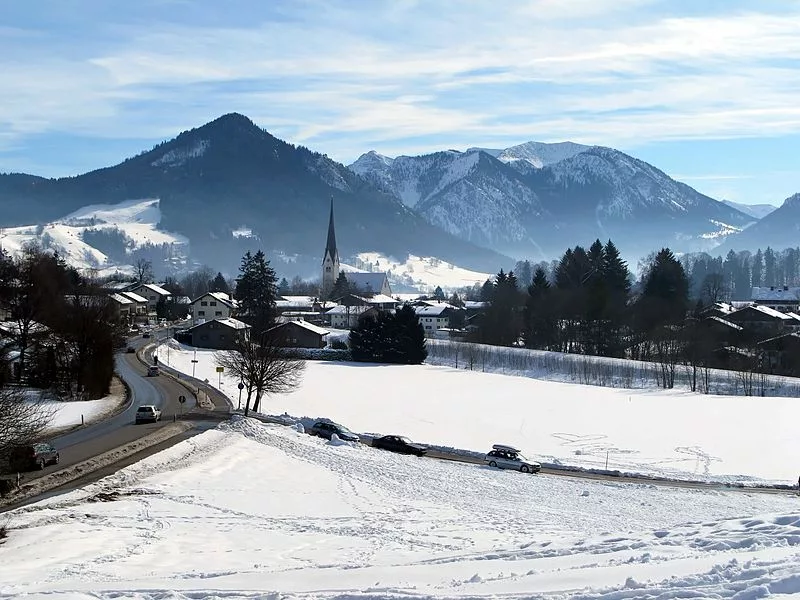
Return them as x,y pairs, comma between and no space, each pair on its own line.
256,291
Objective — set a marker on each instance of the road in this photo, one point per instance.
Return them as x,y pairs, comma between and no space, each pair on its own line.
92,440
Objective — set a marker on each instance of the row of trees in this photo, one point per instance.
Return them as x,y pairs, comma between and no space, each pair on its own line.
61,326
389,338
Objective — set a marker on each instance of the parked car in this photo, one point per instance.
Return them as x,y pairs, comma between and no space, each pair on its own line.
508,457
148,413
325,429
152,371
33,456
146,334
130,350
399,443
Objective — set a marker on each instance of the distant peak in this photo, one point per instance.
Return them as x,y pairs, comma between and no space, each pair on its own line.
793,200
233,119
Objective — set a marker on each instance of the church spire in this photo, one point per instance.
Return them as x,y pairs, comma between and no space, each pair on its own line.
330,247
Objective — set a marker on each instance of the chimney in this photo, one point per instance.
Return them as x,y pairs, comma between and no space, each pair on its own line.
786,288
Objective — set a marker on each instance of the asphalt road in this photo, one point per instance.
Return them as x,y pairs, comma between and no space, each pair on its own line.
92,440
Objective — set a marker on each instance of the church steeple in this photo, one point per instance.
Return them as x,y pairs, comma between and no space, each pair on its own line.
330,260
330,247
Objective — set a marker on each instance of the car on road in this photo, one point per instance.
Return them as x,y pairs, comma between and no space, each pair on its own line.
152,371
146,334
33,456
508,457
325,429
130,350
148,413
399,443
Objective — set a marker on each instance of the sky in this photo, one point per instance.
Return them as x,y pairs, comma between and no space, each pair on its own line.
706,91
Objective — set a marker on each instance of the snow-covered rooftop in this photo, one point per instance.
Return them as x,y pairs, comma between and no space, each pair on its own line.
348,310
431,311
121,299
775,294
135,297
306,325
228,322
156,289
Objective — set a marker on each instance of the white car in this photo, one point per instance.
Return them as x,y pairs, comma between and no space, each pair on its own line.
508,457
148,413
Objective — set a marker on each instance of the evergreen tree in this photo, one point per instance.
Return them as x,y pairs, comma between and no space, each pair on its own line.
456,301
438,294
524,272
540,326
501,320
283,287
665,296
218,284
389,338
341,288
487,291
256,291
769,267
757,269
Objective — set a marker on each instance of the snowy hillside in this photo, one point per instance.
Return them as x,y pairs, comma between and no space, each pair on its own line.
137,220
538,154
759,211
423,274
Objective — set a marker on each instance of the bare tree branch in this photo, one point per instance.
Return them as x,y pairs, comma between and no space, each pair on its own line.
22,418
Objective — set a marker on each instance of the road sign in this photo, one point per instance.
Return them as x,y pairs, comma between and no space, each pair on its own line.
220,369
181,399
240,386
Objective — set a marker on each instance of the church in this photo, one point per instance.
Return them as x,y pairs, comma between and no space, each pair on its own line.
368,284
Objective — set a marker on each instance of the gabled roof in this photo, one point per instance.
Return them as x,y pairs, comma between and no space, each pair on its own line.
776,294
155,288
431,311
785,336
725,322
120,299
771,312
304,325
351,310
474,304
135,297
370,282
229,322
221,297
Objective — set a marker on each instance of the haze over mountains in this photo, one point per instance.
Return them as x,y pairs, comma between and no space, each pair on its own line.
229,186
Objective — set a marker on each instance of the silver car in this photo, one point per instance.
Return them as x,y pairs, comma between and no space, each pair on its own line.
508,457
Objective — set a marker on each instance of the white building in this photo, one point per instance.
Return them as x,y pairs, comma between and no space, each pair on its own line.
782,298
346,317
213,305
434,317
152,292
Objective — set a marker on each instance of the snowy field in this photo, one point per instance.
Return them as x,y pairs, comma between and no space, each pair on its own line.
262,511
424,273
674,434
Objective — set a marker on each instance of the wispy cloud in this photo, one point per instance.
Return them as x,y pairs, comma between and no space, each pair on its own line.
342,76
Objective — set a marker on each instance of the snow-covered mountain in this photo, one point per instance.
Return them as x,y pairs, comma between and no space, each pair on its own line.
84,238
535,200
424,274
469,194
779,229
758,211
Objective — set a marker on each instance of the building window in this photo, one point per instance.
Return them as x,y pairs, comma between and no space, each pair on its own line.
201,313
218,313
327,269
213,303
203,303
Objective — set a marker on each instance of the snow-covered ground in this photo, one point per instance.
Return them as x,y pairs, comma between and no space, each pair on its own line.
66,415
137,219
674,434
263,511
422,273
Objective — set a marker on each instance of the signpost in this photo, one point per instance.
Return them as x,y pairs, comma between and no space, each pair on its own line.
220,370
194,362
182,400
241,387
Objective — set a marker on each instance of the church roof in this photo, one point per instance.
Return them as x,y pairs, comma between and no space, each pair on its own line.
367,282
330,246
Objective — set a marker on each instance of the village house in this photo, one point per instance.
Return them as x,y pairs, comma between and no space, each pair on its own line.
140,304
780,298
308,308
216,334
213,305
369,284
781,354
347,317
152,292
433,318
760,321
124,308
298,334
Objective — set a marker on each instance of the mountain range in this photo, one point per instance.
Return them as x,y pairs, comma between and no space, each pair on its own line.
229,186
534,199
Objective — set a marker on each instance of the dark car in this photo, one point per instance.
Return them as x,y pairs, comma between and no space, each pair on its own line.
130,349
325,429
33,456
146,334
399,443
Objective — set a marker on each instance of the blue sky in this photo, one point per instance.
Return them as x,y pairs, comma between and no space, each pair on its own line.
707,91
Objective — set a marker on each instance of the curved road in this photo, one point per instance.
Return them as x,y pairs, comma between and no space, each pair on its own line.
92,440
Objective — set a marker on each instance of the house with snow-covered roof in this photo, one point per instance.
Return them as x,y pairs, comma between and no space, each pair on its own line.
298,334
217,334
781,298
213,305
760,321
152,292
435,317
140,308
347,317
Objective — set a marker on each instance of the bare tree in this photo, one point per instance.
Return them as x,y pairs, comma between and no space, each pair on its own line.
263,368
143,270
22,419
713,289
